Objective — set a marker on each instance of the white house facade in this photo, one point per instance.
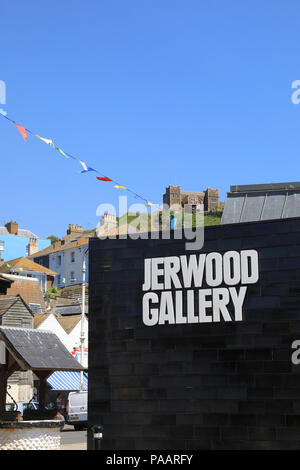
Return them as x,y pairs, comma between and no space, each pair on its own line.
68,264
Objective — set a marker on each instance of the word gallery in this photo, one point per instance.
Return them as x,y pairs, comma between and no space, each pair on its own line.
205,288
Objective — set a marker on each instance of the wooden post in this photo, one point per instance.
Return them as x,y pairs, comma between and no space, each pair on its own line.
3,388
42,375
42,394
6,370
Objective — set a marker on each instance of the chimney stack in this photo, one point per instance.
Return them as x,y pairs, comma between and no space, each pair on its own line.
12,227
32,246
107,224
74,229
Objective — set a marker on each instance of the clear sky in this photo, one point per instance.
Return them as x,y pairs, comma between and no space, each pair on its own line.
149,92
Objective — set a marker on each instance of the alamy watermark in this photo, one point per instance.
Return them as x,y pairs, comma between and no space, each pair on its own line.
2,95
162,222
296,94
295,358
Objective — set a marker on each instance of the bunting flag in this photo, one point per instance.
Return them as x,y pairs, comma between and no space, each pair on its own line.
64,280
85,167
62,152
22,131
102,178
47,141
8,265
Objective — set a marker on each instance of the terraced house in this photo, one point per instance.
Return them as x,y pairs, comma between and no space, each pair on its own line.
65,257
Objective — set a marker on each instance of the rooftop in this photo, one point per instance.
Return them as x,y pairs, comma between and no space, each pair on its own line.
73,309
7,302
39,318
254,202
37,349
68,322
27,287
25,264
21,233
61,246
265,187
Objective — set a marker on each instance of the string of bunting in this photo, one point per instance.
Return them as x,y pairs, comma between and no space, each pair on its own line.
85,168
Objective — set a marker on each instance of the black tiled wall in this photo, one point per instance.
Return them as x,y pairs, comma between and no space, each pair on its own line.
201,386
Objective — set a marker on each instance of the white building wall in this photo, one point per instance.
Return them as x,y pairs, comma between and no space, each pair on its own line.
74,338
68,265
70,340
51,324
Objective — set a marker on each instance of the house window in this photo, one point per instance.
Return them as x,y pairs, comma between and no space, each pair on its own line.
35,308
58,280
72,275
58,261
73,257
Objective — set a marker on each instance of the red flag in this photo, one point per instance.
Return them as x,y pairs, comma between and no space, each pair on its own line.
22,131
104,178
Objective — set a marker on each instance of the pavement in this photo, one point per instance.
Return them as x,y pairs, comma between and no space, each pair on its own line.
79,446
73,440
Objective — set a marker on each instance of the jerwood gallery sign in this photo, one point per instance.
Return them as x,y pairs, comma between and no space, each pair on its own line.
197,349
187,275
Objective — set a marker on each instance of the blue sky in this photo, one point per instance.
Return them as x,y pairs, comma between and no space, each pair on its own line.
151,93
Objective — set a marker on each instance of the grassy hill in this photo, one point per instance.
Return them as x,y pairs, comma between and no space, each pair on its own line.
212,218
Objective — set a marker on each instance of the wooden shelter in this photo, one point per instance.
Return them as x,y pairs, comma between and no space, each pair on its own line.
41,351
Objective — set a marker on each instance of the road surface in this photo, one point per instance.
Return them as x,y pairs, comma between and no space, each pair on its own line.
73,440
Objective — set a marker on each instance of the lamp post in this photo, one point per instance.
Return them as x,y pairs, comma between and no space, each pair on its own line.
82,316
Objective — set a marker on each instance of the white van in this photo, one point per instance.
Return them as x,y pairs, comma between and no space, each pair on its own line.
77,409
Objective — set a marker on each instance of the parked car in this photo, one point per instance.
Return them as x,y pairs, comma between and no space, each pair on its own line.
77,410
9,406
22,405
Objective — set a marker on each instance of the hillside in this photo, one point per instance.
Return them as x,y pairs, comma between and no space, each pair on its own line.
213,218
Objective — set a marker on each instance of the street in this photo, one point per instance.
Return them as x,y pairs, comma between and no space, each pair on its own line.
73,440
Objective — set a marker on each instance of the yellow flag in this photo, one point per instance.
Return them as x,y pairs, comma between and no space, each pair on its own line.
149,204
120,187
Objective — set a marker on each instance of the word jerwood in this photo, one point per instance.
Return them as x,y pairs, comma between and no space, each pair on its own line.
188,301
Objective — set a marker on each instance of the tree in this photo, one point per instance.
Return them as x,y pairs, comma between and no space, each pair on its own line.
53,292
53,239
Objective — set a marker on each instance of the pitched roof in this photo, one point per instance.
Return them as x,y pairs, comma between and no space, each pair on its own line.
69,322
58,246
27,287
39,318
6,302
71,309
37,349
26,264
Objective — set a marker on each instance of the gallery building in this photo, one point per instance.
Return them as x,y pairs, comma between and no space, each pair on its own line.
200,349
